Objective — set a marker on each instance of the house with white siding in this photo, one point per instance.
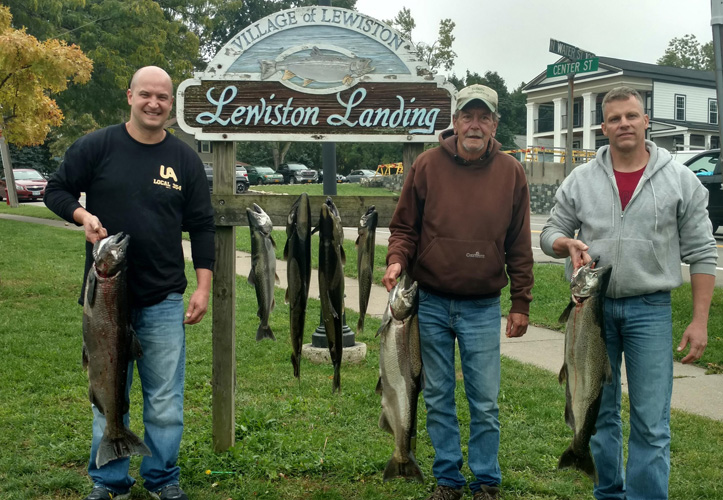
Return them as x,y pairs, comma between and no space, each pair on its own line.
681,104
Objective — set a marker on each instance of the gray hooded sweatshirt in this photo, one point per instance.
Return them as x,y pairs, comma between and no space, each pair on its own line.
664,223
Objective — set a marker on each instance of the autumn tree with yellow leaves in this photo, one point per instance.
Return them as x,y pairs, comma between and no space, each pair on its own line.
31,72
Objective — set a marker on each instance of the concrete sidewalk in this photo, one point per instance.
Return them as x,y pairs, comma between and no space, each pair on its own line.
693,391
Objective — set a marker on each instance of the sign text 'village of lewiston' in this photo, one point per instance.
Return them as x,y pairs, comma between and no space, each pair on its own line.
316,73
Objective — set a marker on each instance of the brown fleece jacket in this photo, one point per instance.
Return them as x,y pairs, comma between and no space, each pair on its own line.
461,228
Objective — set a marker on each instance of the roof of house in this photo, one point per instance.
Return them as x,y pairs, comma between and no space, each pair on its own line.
611,66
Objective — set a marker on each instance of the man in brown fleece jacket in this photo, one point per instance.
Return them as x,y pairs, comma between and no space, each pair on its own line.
461,228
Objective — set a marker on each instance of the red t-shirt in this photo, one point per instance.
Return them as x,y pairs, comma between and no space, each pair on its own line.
627,182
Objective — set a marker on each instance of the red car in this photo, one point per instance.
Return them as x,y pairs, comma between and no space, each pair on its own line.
29,183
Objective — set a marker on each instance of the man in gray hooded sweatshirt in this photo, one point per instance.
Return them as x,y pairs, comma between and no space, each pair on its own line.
641,212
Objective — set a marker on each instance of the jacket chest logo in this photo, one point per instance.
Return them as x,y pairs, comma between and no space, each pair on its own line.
168,173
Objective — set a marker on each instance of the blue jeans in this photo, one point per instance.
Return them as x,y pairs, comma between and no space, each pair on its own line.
161,333
476,326
642,327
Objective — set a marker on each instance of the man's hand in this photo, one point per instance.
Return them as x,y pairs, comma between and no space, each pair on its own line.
575,249
390,277
697,337
94,230
198,305
516,325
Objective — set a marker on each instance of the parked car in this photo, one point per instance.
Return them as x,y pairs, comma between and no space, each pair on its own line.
242,180
297,173
707,168
264,175
358,175
339,178
683,156
29,184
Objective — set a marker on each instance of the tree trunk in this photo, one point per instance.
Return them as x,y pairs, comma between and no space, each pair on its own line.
9,177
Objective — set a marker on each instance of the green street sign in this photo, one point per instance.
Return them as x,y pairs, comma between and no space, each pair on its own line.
565,68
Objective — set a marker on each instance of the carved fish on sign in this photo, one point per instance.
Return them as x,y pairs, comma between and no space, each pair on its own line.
318,67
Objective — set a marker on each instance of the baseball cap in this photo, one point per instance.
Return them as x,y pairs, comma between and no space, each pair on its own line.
477,92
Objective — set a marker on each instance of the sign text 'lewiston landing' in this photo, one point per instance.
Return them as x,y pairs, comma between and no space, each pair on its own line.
379,108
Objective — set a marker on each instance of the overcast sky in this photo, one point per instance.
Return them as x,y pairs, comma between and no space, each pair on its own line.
512,37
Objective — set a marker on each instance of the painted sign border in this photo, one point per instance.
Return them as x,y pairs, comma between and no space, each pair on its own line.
220,69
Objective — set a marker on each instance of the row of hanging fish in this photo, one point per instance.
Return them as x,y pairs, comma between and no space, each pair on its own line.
297,254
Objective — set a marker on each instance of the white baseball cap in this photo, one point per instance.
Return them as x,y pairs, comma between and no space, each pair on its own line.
477,92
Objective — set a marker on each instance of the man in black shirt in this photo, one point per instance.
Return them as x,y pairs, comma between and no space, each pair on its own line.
142,181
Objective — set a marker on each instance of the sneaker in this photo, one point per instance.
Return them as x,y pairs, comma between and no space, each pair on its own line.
170,492
446,493
101,493
487,493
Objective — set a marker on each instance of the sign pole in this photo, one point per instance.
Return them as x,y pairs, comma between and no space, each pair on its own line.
582,61
717,23
570,109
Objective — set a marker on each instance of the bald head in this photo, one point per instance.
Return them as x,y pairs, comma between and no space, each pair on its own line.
150,97
151,73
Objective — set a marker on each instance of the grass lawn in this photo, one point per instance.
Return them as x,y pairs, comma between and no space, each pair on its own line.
293,440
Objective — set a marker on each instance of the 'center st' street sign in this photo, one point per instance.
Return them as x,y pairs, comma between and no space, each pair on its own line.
565,68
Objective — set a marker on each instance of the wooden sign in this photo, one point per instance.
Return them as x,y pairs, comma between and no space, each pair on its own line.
316,74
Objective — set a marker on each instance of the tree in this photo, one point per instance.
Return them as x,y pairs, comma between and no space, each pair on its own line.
120,36
29,72
437,55
687,52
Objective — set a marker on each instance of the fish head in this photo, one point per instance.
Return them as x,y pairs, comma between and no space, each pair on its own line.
590,280
259,220
330,222
109,254
299,218
369,219
403,298
361,66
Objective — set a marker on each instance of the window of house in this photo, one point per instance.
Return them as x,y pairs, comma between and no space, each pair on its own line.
680,107
712,111
204,147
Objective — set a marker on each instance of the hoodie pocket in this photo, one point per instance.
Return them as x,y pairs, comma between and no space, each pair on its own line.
461,267
636,267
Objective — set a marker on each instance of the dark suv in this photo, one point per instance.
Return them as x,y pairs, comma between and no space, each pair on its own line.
707,168
297,173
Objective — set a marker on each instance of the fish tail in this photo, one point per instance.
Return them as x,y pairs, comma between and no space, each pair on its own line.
408,470
337,380
268,68
295,363
584,463
264,332
125,446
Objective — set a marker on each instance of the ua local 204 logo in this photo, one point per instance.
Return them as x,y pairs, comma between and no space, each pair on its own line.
166,174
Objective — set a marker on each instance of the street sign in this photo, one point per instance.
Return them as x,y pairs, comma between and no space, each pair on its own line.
566,68
570,51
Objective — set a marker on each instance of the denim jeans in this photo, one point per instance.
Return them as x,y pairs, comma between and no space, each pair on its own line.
161,333
642,327
476,326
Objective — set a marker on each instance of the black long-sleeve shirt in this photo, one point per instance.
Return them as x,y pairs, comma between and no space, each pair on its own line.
152,192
